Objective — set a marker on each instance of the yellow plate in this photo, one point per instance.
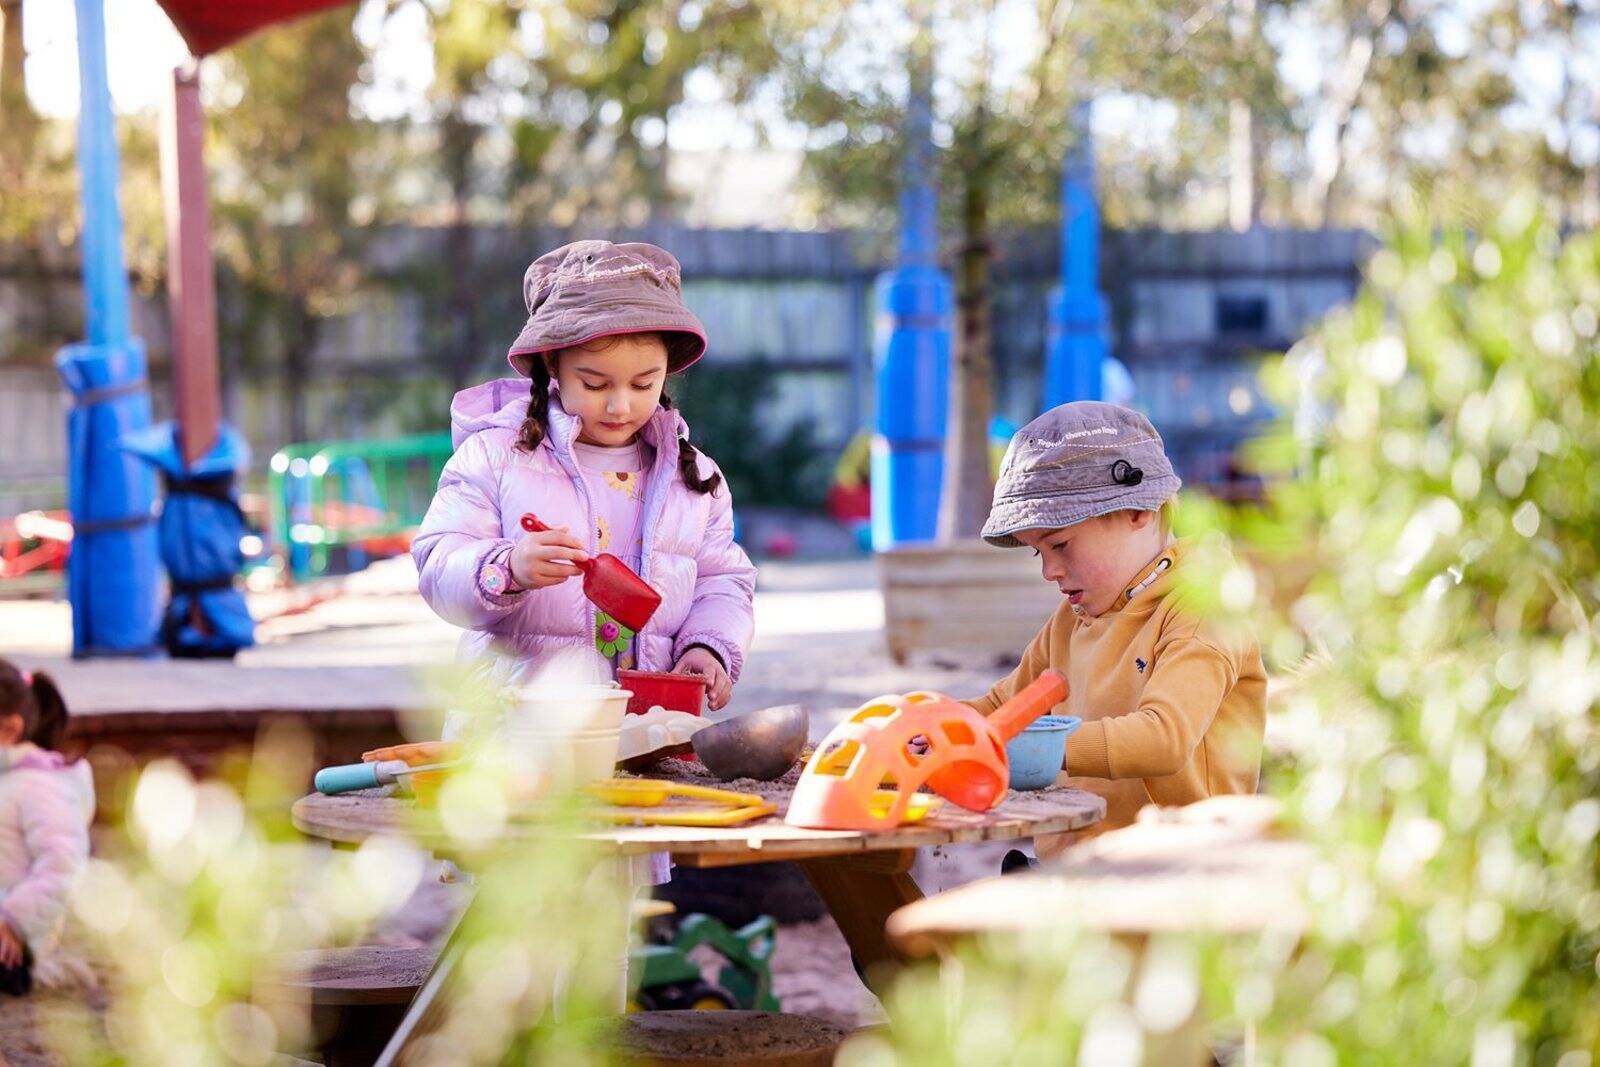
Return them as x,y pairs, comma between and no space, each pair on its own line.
919,807
687,816
653,792
628,795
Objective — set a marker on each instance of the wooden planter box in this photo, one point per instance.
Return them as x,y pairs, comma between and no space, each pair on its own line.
964,596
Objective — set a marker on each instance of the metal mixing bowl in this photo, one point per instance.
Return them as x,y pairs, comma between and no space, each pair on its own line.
759,744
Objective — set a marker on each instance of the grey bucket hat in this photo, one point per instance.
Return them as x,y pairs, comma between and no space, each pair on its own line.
592,289
1074,462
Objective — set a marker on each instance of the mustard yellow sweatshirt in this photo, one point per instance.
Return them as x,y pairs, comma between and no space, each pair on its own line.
1173,707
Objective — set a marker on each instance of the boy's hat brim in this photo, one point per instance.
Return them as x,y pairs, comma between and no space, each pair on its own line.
1076,462
587,290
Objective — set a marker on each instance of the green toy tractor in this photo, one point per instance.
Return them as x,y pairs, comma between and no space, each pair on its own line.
670,981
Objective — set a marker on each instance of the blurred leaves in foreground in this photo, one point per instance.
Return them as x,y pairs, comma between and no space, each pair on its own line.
1443,536
203,893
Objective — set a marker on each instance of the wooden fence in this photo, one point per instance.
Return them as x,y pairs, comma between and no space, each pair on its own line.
1189,313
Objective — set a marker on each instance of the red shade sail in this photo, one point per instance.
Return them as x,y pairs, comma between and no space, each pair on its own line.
210,25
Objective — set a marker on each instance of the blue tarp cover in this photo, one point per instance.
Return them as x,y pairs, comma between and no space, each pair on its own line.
199,532
112,572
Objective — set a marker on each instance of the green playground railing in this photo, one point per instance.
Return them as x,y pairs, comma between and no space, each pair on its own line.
362,496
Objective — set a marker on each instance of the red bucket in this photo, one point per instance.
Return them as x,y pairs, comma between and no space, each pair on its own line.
675,692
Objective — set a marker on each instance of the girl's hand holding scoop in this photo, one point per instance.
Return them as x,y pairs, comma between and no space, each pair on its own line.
545,558
701,661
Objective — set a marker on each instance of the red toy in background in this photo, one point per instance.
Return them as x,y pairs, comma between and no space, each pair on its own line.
782,545
34,541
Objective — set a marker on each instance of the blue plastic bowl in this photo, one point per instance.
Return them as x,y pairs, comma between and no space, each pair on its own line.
1036,753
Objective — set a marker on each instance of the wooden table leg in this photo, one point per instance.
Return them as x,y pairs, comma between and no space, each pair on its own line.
426,1010
861,892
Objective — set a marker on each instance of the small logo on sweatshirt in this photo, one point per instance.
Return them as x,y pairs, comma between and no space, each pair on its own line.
1141,664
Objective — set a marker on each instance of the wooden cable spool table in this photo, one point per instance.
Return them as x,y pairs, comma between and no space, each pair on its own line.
1218,867
862,877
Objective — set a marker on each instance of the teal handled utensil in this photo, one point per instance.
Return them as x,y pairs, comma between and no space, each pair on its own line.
331,781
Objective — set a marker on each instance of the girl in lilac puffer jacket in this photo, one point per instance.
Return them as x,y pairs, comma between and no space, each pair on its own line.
46,805
590,444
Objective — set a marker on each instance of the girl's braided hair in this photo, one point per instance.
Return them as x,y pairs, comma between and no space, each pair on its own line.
35,698
680,348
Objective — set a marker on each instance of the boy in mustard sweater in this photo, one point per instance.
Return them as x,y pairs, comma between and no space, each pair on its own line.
1173,707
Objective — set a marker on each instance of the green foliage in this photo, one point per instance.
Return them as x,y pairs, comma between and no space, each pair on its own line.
585,90
281,123
1452,785
723,405
201,893
1447,727
193,898
844,76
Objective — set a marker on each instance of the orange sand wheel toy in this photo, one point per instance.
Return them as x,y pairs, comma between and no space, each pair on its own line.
865,775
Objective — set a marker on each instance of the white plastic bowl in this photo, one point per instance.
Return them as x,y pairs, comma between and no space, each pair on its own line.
567,758
567,709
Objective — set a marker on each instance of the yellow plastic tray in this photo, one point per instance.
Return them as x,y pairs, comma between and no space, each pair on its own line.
632,799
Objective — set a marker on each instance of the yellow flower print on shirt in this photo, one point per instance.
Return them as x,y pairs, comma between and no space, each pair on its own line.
624,482
603,532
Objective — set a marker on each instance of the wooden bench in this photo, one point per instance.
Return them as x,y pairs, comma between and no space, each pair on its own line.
728,1038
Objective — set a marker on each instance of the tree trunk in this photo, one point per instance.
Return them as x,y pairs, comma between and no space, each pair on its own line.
1244,132
19,123
968,489
465,338
303,329
967,492
1344,95
1244,166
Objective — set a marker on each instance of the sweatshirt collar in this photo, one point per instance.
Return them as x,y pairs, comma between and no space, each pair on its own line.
1153,581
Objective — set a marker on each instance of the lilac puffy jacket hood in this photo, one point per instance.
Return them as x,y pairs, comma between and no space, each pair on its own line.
706,581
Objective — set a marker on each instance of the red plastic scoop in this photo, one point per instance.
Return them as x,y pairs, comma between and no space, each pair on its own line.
611,585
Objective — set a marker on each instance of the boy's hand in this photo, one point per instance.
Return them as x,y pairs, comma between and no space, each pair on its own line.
544,559
10,946
703,662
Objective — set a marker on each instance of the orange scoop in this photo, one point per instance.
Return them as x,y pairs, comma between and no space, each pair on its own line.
611,585
865,774
980,786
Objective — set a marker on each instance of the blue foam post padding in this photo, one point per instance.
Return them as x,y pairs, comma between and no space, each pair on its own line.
113,572
199,530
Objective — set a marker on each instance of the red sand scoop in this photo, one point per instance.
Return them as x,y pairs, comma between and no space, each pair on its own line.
611,585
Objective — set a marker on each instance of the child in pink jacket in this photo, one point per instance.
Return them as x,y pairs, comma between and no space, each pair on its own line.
46,805
590,444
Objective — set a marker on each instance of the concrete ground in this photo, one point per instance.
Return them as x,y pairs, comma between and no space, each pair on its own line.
818,643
